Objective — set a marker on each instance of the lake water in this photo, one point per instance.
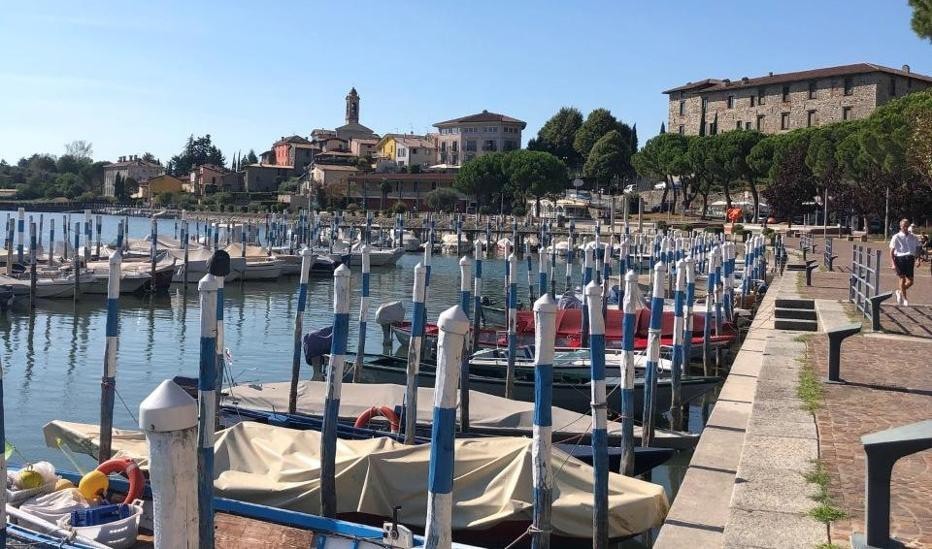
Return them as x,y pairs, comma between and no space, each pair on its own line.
53,359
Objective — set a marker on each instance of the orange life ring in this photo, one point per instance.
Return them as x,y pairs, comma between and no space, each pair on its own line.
384,411
130,470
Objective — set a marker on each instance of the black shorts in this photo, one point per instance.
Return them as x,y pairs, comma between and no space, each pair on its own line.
904,265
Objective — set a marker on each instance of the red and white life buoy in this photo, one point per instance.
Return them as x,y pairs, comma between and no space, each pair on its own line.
130,470
384,411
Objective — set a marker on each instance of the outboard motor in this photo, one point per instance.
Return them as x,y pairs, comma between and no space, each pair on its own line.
386,315
316,346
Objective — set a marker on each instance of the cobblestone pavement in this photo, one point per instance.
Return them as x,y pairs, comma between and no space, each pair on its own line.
888,385
915,320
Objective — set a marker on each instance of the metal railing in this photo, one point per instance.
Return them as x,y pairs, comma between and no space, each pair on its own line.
828,258
864,282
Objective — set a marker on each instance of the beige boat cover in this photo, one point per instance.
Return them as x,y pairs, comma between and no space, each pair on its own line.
485,411
252,252
492,478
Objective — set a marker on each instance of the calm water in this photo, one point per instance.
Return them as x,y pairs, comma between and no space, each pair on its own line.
53,360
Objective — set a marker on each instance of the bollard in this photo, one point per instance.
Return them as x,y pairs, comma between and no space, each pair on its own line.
414,352
835,337
600,517
51,254
20,227
545,319
328,439
33,268
542,274
653,355
709,312
219,266
363,312
453,326
77,261
465,304
168,416
512,326
108,381
530,280
207,406
679,327
587,278
631,300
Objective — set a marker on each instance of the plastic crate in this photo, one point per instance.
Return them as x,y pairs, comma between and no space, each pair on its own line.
119,534
95,516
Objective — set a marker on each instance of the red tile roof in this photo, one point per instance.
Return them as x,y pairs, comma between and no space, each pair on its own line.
484,116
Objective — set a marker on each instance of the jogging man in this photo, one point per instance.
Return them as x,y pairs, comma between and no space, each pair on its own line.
903,248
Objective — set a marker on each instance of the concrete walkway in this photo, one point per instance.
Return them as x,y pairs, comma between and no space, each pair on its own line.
744,486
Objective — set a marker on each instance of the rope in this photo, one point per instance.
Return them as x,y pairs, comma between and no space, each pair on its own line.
130,412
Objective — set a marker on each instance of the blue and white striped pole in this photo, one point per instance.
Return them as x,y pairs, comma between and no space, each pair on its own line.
622,270
108,381
307,258
653,354
221,362
477,293
629,322
20,229
466,304
542,269
77,260
88,236
587,278
728,264
51,254
606,274
530,281
328,439
453,326
553,264
512,325
100,225
689,300
545,319
570,257
363,310
679,326
418,316
207,408
709,317
717,259
599,416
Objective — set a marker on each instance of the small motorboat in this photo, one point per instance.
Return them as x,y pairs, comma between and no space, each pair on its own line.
409,242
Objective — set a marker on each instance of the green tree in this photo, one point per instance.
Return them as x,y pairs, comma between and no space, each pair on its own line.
534,173
165,199
557,135
728,161
79,149
68,185
597,124
149,157
609,158
922,18
385,187
483,177
663,158
791,185
119,187
443,199
251,158
196,152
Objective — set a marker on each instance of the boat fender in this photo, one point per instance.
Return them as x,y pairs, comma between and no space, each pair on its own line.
389,313
130,470
384,411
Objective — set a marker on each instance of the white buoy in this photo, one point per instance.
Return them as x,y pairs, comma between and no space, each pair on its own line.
168,416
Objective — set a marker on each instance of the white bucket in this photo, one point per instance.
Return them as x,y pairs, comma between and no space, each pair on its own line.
118,534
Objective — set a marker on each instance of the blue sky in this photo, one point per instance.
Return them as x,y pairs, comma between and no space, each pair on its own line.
141,76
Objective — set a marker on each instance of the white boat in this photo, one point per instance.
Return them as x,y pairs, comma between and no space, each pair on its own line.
448,244
132,279
377,258
504,245
46,288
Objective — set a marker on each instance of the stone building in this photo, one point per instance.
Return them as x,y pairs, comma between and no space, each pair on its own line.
782,102
366,189
462,139
129,167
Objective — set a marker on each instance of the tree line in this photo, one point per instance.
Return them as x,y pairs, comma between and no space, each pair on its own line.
860,164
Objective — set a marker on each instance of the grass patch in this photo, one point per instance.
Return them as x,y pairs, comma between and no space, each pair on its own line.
802,338
828,546
809,389
826,511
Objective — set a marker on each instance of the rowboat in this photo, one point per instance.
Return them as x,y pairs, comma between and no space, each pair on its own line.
377,258
59,287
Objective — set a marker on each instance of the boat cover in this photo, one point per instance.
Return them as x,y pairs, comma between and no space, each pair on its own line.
280,467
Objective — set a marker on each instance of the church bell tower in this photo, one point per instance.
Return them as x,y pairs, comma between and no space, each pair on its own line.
352,107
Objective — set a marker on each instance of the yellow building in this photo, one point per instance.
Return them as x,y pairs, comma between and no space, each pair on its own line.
159,184
407,150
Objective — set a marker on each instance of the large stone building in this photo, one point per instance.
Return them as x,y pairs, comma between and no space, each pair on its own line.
129,167
462,139
782,102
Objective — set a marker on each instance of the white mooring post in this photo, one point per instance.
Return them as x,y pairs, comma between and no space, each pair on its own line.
207,407
679,326
593,294
630,302
512,295
414,352
653,354
108,381
545,319
466,305
453,326
168,416
328,439
363,310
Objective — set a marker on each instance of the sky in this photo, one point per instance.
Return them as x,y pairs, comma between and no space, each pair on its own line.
135,77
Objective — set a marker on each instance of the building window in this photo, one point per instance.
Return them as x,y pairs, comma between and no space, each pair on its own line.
786,93
738,125
760,122
433,185
846,113
682,130
413,151
705,103
712,128
892,86
456,146
471,145
455,159
402,152
510,145
731,101
812,90
753,100
747,125
849,87
682,108
490,146
785,121
760,95
810,119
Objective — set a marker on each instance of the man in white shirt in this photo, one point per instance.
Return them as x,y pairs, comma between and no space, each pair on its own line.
903,248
